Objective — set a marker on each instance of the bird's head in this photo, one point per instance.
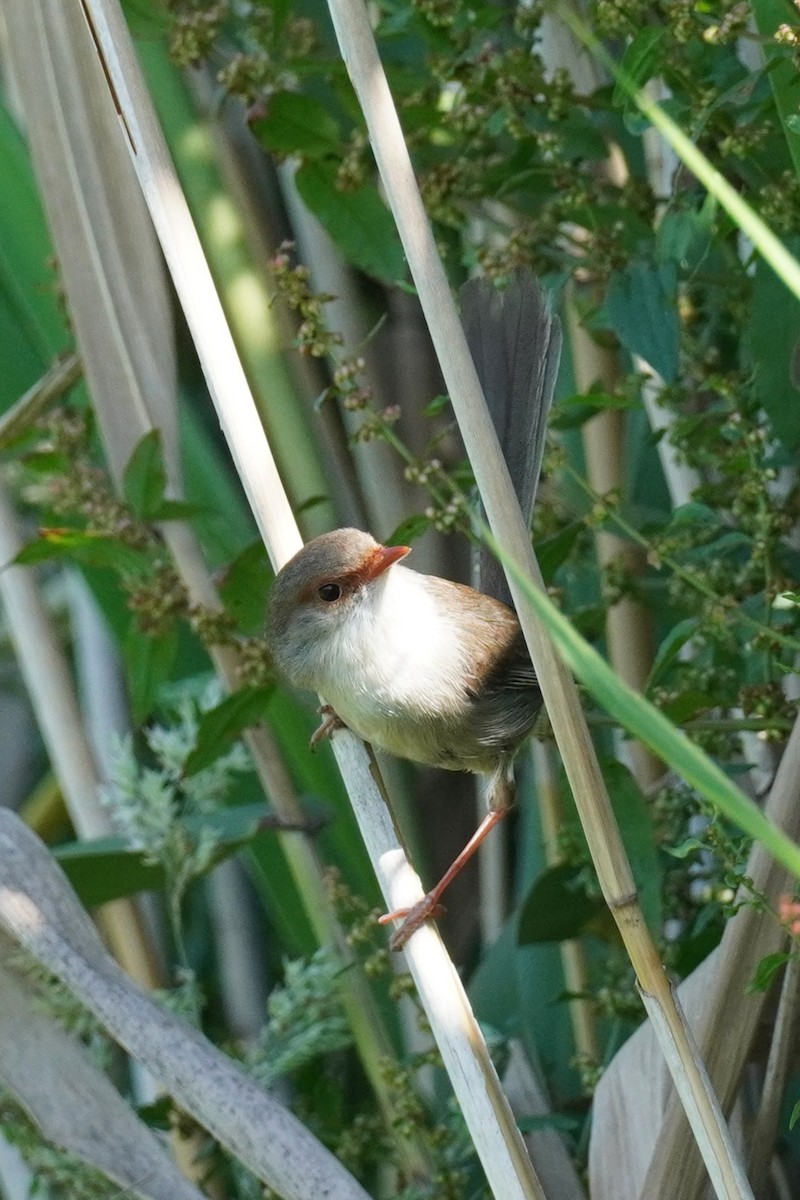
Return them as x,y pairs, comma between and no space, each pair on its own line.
320,596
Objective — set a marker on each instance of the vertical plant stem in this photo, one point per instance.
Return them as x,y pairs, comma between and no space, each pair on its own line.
463,1049
359,51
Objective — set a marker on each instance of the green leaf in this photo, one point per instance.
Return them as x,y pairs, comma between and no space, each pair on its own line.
84,547
358,221
408,531
685,237
639,62
636,825
244,586
177,510
670,648
145,479
220,726
557,908
782,73
553,551
296,124
642,309
766,970
772,348
575,411
104,869
149,661
795,1115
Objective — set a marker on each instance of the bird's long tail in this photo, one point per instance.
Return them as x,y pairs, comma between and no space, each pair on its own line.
515,342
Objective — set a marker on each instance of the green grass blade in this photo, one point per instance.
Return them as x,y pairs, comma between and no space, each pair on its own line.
645,722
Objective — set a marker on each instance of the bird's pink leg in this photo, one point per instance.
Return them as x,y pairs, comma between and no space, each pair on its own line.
330,722
429,906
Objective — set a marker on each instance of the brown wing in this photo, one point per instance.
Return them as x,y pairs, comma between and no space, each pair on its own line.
502,692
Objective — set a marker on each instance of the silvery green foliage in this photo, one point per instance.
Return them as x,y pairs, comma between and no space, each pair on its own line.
305,1018
156,808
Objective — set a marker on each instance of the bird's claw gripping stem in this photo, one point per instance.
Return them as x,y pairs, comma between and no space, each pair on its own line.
413,918
330,722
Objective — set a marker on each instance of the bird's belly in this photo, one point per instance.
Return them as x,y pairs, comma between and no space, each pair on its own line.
435,737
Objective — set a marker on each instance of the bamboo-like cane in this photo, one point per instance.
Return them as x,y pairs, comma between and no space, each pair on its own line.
359,51
474,1079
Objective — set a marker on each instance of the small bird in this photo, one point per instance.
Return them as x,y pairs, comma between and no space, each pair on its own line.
421,667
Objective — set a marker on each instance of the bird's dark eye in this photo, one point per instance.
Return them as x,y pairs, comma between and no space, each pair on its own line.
329,592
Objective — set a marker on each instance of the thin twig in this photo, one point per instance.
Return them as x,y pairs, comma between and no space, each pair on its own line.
16,420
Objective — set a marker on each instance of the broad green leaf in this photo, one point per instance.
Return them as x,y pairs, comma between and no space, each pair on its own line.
409,530
358,221
766,970
575,411
244,585
555,550
639,62
220,726
670,648
84,547
769,16
642,309
772,347
149,662
296,124
145,479
104,869
33,328
557,907
685,237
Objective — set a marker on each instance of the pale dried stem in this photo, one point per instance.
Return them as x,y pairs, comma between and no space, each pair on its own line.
39,911
361,57
727,1003
474,1079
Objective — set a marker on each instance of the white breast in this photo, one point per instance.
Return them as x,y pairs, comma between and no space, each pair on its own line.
397,666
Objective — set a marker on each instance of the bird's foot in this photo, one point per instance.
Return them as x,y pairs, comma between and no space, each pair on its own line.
413,918
330,722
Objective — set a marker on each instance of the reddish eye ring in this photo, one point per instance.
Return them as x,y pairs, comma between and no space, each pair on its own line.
329,592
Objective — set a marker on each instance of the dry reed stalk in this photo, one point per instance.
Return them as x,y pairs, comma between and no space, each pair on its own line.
39,911
727,1004
105,244
474,1079
73,1102
359,51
